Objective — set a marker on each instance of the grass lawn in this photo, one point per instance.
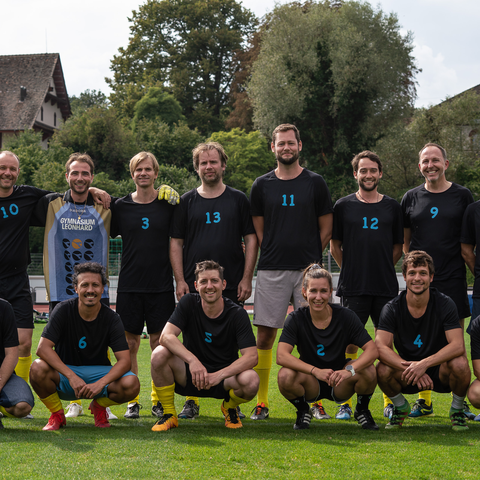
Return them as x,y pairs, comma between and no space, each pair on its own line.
204,448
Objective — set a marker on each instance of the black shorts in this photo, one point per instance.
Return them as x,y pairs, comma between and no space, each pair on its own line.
438,386
136,309
456,289
16,290
52,305
326,391
232,295
16,390
189,390
366,306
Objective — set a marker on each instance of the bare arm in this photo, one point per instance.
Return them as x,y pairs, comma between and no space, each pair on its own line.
100,196
336,251
325,225
407,238
251,249
386,354
397,252
176,260
248,359
469,256
259,223
8,365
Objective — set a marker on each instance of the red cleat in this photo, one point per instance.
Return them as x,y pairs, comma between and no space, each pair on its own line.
100,414
56,421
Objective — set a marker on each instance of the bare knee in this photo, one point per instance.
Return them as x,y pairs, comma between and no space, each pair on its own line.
21,409
286,377
130,386
39,371
474,393
249,383
160,357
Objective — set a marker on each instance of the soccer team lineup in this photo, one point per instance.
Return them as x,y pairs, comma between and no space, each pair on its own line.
211,241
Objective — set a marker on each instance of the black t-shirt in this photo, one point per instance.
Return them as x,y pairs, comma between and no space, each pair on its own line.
290,208
475,338
418,338
15,218
81,343
435,220
8,329
368,232
470,234
145,229
212,229
214,341
324,348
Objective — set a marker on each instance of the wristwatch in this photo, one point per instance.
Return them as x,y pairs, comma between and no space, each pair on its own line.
350,369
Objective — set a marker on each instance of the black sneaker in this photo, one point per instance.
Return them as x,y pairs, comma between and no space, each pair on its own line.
157,410
239,413
303,420
466,410
133,410
260,412
190,410
365,419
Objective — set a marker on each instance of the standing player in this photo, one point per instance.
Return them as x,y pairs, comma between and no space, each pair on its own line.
366,244
145,285
423,325
210,224
432,218
292,215
73,354
207,364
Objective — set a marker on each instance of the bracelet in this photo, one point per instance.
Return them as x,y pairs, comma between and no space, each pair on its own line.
311,371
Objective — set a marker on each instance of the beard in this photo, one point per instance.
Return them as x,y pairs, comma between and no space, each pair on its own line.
79,189
287,161
361,184
211,180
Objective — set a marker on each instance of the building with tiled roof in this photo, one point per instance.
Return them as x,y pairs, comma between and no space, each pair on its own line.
33,95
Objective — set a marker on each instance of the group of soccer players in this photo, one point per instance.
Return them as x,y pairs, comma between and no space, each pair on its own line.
211,240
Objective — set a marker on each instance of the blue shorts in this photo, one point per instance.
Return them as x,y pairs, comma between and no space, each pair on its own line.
16,390
89,374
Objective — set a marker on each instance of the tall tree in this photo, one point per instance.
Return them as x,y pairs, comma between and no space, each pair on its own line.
187,45
341,71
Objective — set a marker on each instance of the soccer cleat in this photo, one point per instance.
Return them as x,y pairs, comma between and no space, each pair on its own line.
303,420
110,415
56,421
133,410
231,417
319,412
365,419
100,415
344,412
74,410
458,419
190,410
167,422
239,413
421,409
468,413
388,411
157,410
398,416
260,412
28,417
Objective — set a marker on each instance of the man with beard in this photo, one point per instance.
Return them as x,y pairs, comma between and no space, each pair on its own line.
210,224
366,243
292,215
423,325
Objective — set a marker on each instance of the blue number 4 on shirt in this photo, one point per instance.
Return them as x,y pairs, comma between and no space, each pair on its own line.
418,341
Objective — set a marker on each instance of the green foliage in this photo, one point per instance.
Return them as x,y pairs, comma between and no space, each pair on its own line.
51,176
178,178
86,100
342,73
188,45
249,156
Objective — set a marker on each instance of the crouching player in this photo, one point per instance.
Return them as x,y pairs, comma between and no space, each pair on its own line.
73,353
214,329
321,332
474,390
16,399
423,325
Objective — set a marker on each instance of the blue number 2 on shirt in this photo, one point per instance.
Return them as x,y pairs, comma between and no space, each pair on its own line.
418,341
208,337
320,350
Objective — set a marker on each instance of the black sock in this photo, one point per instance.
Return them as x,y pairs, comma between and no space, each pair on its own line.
363,401
300,404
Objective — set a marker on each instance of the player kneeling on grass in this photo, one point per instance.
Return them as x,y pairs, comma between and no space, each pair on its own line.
16,399
474,390
321,332
73,355
423,325
214,329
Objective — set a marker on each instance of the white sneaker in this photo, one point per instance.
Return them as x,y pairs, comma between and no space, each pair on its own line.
74,410
110,415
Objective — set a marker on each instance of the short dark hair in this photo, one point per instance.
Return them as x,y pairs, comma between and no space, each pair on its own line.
285,127
89,267
431,144
366,154
418,258
80,157
314,270
201,267
205,147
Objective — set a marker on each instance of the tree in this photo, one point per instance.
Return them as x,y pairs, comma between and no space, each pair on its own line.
87,99
342,73
249,156
188,46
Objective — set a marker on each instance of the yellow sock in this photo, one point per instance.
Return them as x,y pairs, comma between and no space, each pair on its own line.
153,395
5,413
234,401
23,367
53,402
136,399
427,396
386,401
195,399
106,402
79,402
166,396
351,356
263,370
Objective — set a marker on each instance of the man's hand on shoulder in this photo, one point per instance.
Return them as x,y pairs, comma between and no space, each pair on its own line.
169,194
100,196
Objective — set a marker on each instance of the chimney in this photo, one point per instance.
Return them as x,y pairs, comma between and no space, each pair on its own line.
23,93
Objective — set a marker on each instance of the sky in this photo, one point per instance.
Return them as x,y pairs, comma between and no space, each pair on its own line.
88,34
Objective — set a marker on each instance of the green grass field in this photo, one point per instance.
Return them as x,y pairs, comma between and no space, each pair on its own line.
204,448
